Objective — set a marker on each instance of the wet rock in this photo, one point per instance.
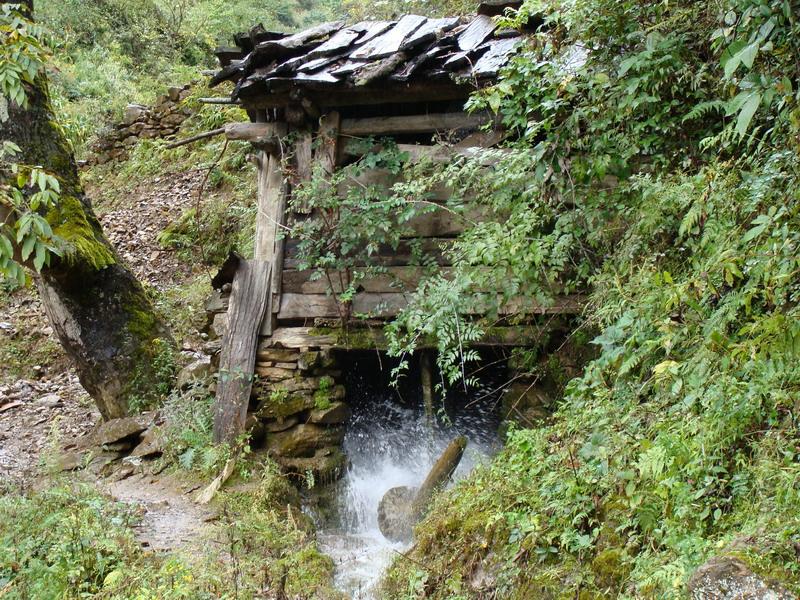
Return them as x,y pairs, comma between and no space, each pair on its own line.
395,518
199,370
303,441
277,408
119,429
336,413
281,424
402,507
728,578
326,466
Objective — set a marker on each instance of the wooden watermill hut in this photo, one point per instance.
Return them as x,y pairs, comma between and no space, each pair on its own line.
309,95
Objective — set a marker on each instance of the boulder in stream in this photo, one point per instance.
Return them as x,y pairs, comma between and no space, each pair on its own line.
402,507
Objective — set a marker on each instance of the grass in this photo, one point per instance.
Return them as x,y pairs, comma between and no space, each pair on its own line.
69,542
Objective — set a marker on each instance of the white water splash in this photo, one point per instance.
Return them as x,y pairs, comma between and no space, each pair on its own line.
390,446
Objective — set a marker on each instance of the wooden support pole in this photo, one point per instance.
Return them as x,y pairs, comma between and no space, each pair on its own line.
248,304
426,368
195,138
269,219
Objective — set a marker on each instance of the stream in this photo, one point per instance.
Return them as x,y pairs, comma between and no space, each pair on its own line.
391,442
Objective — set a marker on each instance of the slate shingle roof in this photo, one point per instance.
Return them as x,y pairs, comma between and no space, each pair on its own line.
368,54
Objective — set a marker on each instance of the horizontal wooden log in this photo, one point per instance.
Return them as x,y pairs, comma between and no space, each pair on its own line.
395,279
413,123
425,91
295,337
222,100
431,247
310,306
255,132
374,338
442,154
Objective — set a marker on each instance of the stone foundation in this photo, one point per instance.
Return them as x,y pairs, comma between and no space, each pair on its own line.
297,410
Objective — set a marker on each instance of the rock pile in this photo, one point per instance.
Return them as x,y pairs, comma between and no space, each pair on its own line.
142,122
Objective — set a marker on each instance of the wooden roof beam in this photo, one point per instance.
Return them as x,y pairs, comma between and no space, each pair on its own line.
412,123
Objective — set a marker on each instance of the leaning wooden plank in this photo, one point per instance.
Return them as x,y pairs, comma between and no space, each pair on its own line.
388,43
476,32
269,218
248,304
412,123
255,132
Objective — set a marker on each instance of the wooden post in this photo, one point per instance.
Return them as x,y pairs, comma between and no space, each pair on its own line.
327,151
426,365
248,304
270,218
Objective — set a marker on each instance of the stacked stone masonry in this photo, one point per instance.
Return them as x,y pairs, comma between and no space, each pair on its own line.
162,120
297,410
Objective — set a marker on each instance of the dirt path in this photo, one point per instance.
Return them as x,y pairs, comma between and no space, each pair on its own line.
170,519
43,406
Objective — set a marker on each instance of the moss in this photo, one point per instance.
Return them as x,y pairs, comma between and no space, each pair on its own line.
84,240
610,568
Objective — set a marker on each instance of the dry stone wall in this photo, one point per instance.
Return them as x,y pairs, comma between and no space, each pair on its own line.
298,410
161,120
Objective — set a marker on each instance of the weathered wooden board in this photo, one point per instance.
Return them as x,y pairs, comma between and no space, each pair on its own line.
389,42
296,337
412,123
402,256
308,306
327,150
255,132
248,305
473,146
476,32
303,151
301,306
374,338
395,279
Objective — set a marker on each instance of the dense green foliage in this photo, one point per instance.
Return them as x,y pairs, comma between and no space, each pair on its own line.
109,53
71,542
662,175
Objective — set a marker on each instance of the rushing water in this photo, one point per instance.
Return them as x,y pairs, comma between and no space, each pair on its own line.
391,442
